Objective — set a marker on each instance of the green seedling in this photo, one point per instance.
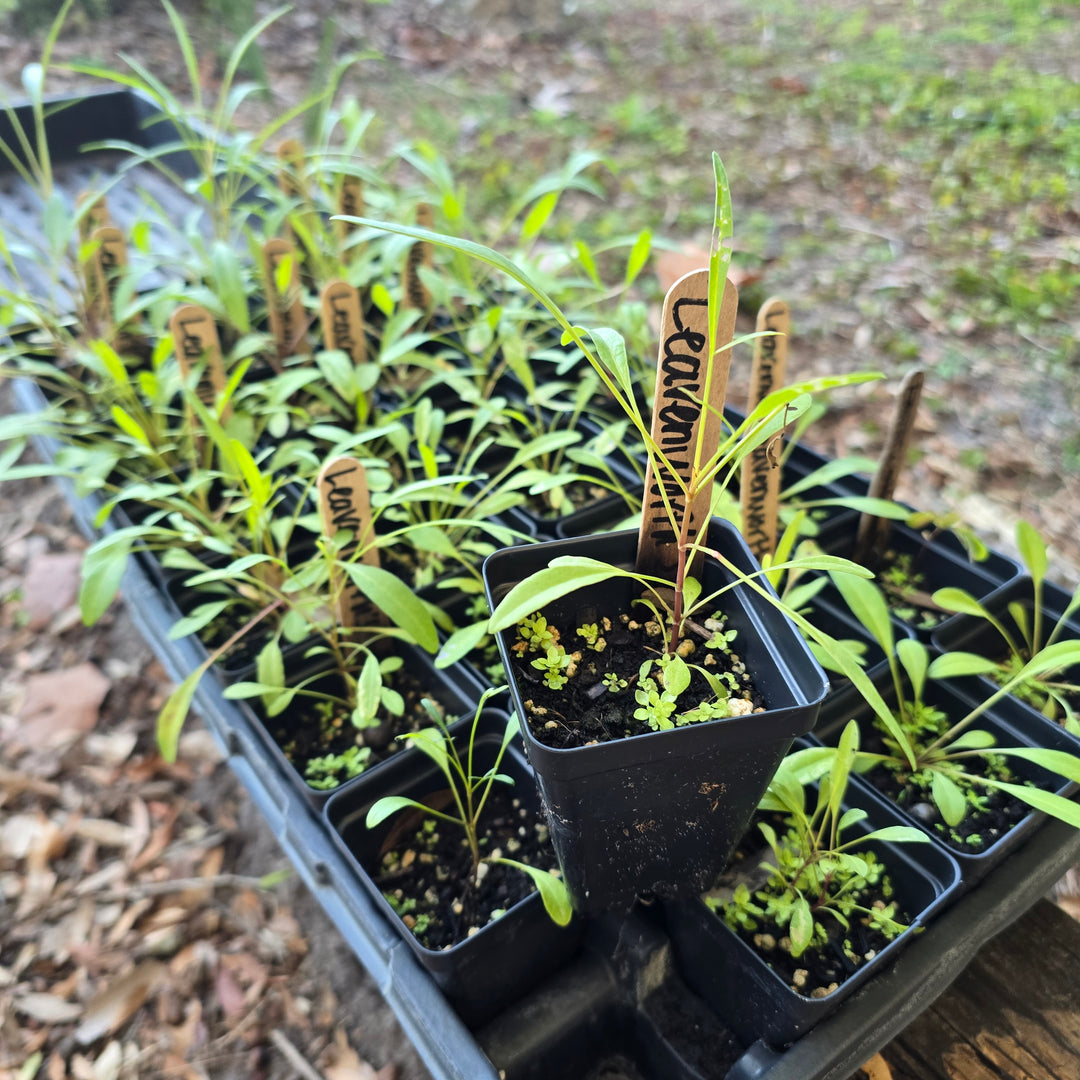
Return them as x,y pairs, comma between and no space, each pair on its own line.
469,792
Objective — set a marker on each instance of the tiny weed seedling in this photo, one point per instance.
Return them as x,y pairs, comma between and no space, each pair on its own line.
469,792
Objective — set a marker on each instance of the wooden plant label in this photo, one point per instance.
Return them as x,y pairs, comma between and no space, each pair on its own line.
345,503
350,201
109,257
95,217
420,254
760,476
195,338
679,416
872,530
343,320
290,177
288,319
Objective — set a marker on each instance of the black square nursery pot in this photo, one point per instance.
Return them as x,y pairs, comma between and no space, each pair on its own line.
483,974
755,1001
969,633
941,560
659,814
1008,720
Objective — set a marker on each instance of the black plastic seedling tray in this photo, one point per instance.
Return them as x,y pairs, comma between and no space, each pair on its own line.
619,1003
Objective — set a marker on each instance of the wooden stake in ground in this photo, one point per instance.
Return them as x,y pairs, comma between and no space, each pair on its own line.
350,202
679,416
285,308
343,320
345,503
195,338
873,531
108,259
760,475
420,254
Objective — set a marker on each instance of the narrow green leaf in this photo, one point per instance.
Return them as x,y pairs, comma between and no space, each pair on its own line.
1056,761
1046,801
948,797
460,643
801,928
127,424
552,890
960,601
102,570
639,256
676,675
538,216
868,605
397,601
955,665
915,658
368,686
849,818
389,805
897,834
270,665
562,576
171,719
1032,550
976,739
193,622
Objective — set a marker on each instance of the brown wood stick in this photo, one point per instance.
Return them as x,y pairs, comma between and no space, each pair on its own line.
343,320
350,202
345,503
285,309
416,293
679,415
109,257
760,473
195,338
873,531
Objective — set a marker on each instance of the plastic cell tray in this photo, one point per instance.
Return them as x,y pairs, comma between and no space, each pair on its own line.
612,1006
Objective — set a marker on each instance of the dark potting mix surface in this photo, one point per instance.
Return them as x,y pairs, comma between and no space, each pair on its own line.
981,826
309,730
426,871
588,709
907,592
820,969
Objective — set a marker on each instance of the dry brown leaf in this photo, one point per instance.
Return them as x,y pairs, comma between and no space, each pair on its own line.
48,1009
104,832
160,839
107,1010
191,1033
111,748
82,1068
60,705
210,867
126,921
140,827
55,1069
229,994
109,1062
50,586
346,1064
